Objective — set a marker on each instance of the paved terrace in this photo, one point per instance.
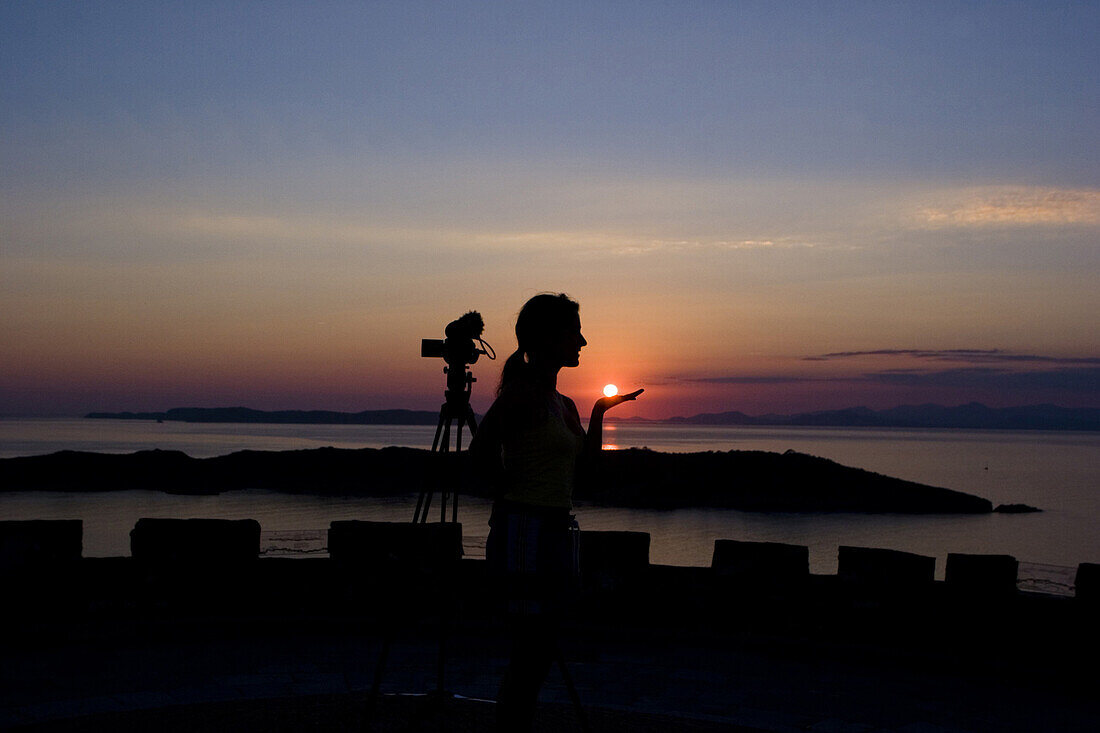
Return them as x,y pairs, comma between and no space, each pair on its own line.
315,673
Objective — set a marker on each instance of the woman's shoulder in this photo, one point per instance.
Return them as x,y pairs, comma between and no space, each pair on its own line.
572,416
569,404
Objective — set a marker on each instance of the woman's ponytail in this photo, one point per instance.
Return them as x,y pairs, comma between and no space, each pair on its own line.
514,366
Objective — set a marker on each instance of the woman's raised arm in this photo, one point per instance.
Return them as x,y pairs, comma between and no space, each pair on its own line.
594,439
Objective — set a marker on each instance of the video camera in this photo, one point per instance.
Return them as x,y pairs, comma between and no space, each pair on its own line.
459,349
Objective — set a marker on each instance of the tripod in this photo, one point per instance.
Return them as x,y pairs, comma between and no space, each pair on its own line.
456,407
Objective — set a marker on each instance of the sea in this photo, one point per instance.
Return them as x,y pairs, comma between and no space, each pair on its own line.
1058,472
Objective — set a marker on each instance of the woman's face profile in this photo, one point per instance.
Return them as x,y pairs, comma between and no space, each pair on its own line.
569,342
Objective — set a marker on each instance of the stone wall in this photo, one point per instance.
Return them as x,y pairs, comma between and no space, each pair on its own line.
177,559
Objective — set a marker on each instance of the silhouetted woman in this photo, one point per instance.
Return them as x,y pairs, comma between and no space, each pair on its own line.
533,441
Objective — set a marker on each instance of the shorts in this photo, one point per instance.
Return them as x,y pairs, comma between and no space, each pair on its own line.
532,555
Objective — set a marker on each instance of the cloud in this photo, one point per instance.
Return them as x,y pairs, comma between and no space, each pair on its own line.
1008,206
227,225
971,356
1070,379
628,244
765,379
985,369
110,225
1074,379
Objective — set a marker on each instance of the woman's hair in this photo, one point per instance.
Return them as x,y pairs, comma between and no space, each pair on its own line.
539,323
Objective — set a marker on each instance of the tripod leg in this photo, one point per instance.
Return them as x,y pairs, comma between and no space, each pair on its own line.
425,497
439,427
419,504
582,718
445,447
422,503
471,422
454,489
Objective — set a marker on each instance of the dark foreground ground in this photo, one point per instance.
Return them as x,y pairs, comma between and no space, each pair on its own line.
199,642
314,674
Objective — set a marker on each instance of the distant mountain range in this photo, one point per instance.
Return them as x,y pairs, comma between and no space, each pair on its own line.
973,415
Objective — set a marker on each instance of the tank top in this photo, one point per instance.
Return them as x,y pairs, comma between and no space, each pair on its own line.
540,461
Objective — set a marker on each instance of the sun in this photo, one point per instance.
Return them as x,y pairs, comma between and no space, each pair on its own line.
610,390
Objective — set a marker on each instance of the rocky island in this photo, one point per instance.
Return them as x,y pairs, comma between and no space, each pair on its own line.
745,480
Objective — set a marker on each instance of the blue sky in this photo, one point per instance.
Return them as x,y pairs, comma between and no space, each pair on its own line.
270,203
926,89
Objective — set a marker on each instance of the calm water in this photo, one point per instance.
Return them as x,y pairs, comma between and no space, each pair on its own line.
1057,471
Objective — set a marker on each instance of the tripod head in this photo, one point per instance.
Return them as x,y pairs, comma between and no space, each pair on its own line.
459,351
459,385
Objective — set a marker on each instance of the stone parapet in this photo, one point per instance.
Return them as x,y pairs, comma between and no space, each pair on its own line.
761,563
981,575
210,542
186,562
890,570
1087,582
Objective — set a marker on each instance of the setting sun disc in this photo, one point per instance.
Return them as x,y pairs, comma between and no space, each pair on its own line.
610,390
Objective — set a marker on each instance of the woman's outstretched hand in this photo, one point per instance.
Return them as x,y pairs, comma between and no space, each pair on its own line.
594,439
606,403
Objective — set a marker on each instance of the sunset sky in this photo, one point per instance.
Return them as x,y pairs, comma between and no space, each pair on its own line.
765,207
